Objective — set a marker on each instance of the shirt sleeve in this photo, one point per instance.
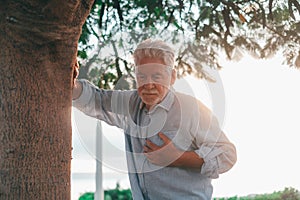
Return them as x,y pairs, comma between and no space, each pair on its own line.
107,105
218,153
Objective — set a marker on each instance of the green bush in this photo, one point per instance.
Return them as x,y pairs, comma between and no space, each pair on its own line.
87,196
286,194
118,194
114,194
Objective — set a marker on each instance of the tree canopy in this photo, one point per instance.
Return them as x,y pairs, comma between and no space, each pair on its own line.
200,30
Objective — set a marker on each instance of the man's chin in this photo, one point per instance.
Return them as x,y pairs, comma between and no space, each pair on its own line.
150,101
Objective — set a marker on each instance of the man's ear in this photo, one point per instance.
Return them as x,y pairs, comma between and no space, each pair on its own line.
173,76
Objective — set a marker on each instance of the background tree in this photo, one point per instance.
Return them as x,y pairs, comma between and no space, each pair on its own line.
201,30
38,42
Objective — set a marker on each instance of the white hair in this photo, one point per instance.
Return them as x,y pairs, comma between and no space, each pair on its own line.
151,48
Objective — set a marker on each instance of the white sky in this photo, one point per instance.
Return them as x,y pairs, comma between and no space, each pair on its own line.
262,108
262,119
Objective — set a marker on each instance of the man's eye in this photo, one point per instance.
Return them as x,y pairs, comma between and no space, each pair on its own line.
157,77
141,77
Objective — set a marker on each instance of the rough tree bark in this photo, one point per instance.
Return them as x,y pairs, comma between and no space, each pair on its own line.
38,45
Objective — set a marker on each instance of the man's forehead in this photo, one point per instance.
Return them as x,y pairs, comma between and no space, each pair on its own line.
153,73
153,67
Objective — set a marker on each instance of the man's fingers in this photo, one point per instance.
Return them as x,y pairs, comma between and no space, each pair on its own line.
146,149
164,138
151,145
76,70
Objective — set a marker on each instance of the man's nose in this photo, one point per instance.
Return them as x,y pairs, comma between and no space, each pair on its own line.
149,86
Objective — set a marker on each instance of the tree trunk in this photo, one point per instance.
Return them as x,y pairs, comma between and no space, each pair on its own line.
38,45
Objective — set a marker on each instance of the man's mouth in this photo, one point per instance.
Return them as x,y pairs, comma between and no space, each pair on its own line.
149,94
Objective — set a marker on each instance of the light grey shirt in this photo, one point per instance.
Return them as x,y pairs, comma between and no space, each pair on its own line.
184,119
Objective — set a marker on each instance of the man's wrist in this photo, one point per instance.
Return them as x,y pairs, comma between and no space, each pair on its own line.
179,160
77,90
188,159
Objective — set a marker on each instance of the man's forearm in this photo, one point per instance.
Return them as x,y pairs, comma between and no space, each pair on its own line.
188,159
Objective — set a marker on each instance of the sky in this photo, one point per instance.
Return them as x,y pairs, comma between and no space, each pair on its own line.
258,105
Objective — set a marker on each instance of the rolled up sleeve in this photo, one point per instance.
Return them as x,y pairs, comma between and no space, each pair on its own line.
218,153
217,159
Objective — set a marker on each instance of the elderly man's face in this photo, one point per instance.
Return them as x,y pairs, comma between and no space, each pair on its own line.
154,79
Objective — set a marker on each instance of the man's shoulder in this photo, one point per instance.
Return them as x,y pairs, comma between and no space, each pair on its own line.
185,97
189,102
